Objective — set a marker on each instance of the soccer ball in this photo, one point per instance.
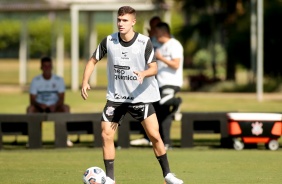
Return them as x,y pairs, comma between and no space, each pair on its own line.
94,175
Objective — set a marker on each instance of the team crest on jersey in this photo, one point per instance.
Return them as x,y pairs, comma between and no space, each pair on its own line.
110,111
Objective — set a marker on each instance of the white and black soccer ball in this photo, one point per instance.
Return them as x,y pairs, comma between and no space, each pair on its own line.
94,175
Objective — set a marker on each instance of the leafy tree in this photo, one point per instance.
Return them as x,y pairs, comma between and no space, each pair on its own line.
211,22
231,20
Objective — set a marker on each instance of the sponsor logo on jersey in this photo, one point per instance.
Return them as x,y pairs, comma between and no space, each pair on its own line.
118,96
120,73
122,67
124,56
113,39
125,77
138,107
141,41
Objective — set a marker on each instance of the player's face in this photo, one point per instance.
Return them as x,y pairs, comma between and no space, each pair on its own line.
125,23
160,35
46,67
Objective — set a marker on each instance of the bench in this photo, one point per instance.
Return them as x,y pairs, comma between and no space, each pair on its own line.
211,122
22,124
76,123
84,123
192,122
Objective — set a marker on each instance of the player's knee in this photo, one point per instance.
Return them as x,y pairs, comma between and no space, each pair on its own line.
107,133
155,137
107,136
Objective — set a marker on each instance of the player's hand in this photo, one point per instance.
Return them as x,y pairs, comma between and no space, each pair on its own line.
84,89
140,76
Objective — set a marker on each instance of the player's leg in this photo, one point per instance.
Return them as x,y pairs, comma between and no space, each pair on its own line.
108,133
165,126
66,108
33,109
29,109
112,115
151,127
165,121
168,97
63,108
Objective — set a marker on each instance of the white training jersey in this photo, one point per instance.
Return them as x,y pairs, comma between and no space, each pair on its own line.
123,59
168,76
46,91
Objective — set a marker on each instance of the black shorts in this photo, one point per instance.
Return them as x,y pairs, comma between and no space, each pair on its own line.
115,111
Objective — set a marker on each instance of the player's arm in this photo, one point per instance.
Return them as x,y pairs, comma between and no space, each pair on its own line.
32,99
174,63
61,100
86,75
99,53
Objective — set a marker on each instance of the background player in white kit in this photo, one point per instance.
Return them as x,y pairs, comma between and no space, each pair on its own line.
169,53
170,78
132,88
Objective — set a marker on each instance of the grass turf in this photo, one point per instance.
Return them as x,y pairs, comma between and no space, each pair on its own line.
200,164
139,166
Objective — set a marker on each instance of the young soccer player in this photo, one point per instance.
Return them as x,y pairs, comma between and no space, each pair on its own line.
132,88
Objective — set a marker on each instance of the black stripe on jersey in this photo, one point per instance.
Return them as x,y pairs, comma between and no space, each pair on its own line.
149,49
101,50
127,44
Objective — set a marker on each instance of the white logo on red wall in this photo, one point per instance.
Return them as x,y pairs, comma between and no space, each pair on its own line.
257,128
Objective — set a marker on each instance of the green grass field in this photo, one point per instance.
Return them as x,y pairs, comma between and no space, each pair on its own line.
204,163
139,166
